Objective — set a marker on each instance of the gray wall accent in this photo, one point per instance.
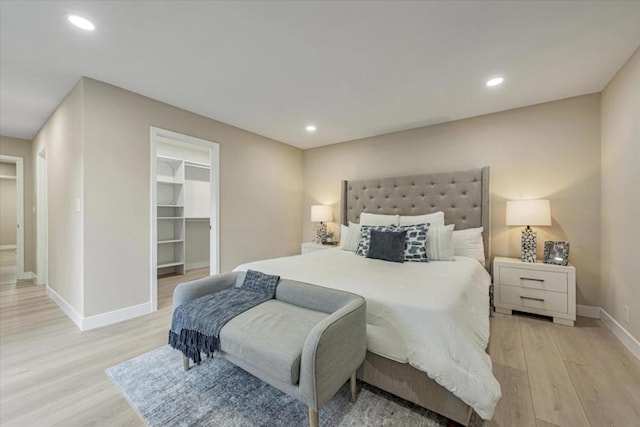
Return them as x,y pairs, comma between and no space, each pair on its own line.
463,196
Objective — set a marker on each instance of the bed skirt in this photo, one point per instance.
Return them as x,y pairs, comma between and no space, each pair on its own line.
409,383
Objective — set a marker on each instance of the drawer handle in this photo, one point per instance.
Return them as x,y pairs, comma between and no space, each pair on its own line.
529,278
534,299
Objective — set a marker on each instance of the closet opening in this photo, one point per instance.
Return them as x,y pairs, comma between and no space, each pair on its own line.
184,206
12,220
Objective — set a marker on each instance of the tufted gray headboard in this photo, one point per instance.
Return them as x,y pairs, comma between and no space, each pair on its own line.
462,196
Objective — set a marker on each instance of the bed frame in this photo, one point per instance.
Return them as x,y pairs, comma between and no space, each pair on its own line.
464,198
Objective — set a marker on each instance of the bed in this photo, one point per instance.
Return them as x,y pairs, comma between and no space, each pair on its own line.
427,323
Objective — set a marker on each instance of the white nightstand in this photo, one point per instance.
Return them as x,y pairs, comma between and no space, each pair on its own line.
538,288
309,247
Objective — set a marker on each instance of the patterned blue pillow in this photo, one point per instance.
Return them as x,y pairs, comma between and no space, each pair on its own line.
365,236
415,244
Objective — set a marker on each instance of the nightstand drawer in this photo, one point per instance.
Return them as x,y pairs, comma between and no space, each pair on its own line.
533,279
533,298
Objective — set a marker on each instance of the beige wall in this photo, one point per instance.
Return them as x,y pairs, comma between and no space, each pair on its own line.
98,154
260,193
62,137
22,148
8,211
7,169
545,151
620,210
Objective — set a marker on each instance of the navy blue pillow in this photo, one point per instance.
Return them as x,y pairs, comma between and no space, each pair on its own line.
258,281
387,245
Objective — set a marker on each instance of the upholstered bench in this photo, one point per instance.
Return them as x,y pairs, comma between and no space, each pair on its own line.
306,342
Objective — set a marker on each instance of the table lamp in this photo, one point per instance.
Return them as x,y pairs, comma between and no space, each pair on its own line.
321,214
528,213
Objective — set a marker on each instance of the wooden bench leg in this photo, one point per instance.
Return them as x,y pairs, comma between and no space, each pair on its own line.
313,417
185,363
354,391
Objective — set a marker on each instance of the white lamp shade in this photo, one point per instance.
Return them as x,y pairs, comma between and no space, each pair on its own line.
321,213
528,212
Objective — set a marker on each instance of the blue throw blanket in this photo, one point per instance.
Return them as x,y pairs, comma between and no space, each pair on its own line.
196,326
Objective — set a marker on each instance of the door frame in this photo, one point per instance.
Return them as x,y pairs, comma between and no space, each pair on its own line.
162,135
42,218
19,162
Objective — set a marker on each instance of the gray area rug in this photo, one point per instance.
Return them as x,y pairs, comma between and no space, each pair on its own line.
217,393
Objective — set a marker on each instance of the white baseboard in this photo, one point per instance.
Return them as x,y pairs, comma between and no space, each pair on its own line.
632,344
588,311
27,275
115,316
7,247
194,265
98,320
66,307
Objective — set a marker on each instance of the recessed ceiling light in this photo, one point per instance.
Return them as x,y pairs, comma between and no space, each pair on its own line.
496,81
311,128
81,22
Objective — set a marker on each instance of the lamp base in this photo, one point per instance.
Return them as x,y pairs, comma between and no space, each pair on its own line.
529,245
321,233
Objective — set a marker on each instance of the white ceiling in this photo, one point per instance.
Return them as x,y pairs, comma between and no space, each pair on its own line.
354,69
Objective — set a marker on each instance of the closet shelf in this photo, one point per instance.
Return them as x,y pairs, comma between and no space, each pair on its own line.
168,181
197,165
172,160
196,219
170,206
170,241
170,217
170,264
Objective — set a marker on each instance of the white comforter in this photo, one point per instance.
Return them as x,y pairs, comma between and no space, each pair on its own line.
433,315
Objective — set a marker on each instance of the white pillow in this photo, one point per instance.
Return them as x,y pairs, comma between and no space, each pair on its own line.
377,219
469,243
440,243
350,239
435,219
344,231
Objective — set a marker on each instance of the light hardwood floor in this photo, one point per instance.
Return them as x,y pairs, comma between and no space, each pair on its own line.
554,375
8,262
53,374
